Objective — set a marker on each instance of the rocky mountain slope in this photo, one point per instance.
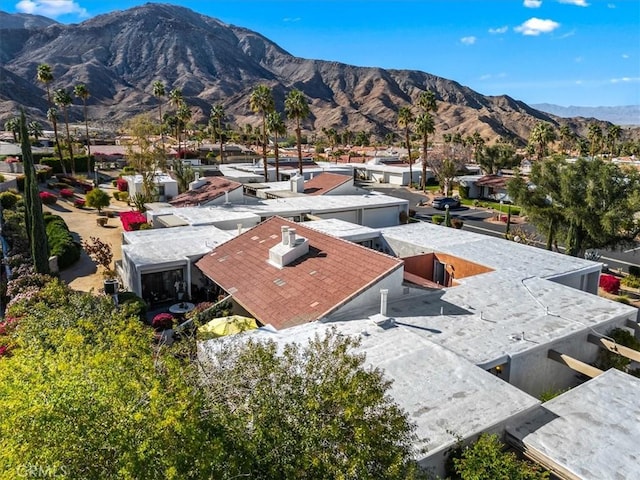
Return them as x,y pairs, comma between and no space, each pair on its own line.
622,115
119,56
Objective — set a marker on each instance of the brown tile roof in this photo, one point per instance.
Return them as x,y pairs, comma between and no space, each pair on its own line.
307,289
212,189
325,182
495,181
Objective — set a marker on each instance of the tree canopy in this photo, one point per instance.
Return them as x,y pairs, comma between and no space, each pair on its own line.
586,204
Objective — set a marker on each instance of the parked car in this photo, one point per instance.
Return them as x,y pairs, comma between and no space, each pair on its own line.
441,202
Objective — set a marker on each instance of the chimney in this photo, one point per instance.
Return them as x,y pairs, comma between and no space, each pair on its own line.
297,183
226,197
196,176
239,229
289,249
384,293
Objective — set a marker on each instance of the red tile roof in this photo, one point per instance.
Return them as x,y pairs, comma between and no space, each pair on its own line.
212,189
324,183
314,285
495,181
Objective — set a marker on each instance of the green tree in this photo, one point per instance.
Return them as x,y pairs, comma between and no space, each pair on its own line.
589,204
335,418
595,139
177,100
34,219
13,125
567,138
613,135
405,119
217,117
45,76
477,143
261,101
97,198
487,459
276,127
425,125
494,158
82,92
297,108
62,99
35,130
143,154
159,92
541,135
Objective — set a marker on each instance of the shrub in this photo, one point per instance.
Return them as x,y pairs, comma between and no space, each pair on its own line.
66,193
610,284
132,220
463,191
20,182
476,202
48,198
132,305
634,270
437,219
632,281
122,185
97,198
8,200
128,170
61,242
457,223
162,321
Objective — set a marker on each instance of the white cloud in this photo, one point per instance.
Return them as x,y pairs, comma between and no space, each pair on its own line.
625,56
291,19
468,40
577,3
611,5
578,59
625,80
532,3
536,26
499,30
51,8
490,76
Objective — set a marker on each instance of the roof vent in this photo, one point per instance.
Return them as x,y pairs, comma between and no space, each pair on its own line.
289,249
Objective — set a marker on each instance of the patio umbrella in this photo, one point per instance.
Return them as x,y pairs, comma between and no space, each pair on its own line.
223,326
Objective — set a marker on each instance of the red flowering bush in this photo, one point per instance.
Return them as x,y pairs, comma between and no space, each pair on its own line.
48,198
122,185
66,193
162,321
132,220
610,284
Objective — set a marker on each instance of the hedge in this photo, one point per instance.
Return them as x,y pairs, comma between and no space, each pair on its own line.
132,305
80,163
61,242
8,200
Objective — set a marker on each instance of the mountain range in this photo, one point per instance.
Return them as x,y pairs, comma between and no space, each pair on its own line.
119,55
622,115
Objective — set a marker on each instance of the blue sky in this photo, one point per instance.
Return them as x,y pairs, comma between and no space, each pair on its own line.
566,52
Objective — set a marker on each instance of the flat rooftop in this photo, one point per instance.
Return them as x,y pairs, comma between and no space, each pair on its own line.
345,230
442,394
590,432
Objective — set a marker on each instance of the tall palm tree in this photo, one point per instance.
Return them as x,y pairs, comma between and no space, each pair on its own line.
566,137
276,127
425,126
477,142
541,135
426,103
82,92
184,115
217,115
45,76
595,137
297,107
176,99
613,135
62,99
261,101
159,92
405,119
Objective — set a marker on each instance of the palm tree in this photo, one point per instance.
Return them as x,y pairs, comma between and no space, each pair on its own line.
541,135
35,129
405,118
566,137
13,125
159,92
477,142
45,76
184,115
595,137
425,126
217,115
276,127
62,99
261,101
297,107
176,99
82,92
613,135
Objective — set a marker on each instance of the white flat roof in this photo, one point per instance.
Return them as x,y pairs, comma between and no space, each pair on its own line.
591,431
345,230
168,245
200,216
442,394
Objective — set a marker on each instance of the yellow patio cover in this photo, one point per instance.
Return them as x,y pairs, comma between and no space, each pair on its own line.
222,326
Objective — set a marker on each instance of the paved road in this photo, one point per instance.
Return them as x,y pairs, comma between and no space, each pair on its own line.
475,220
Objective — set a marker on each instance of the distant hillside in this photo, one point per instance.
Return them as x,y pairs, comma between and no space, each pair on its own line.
624,115
119,55
22,20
